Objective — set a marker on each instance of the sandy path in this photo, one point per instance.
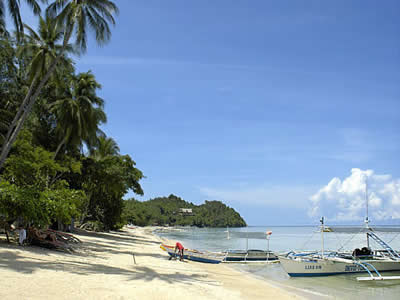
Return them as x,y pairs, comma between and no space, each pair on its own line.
103,268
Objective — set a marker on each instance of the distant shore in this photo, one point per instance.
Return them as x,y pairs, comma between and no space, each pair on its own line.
104,268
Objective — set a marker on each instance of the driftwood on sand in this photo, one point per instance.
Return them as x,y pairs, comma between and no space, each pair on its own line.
52,239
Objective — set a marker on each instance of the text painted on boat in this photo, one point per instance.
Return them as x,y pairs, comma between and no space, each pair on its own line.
353,268
312,267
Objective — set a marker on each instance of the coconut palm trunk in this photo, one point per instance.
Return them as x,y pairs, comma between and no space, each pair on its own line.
28,103
23,112
59,147
21,109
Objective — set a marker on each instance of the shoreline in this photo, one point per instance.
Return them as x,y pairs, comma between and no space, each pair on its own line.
104,268
291,290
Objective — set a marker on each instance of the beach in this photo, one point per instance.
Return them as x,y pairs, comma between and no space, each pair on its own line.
103,267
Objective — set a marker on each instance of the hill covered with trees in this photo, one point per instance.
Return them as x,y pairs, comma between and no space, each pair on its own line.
173,210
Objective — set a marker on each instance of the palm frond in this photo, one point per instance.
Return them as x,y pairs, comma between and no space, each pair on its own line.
78,115
80,31
53,9
13,8
31,33
79,16
34,5
2,17
42,46
2,10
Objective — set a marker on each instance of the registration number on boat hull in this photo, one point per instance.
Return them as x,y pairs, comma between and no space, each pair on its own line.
312,267
353,268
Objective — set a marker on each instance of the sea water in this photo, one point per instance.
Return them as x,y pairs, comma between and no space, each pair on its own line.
284,239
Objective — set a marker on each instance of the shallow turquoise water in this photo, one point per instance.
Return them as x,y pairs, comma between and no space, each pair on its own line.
295,238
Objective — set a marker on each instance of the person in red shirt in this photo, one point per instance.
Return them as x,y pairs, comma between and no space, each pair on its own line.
180,249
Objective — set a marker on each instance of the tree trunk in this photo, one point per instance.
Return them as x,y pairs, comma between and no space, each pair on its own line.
59,148
21,109
8,144
6,231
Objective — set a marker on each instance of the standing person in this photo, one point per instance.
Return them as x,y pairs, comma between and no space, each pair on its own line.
22,235
180,249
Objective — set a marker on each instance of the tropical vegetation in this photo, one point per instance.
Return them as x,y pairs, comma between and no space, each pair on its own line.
56,164
172,211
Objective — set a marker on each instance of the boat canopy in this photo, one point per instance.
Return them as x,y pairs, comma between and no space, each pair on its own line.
355,229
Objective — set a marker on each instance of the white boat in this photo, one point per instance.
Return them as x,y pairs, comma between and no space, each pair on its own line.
335,263
324,263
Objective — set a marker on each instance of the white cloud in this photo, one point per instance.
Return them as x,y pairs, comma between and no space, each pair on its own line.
345,200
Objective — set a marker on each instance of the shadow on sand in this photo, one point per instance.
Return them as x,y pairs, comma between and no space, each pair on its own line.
15,262
11,259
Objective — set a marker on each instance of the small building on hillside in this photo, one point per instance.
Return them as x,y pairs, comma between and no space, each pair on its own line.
186,212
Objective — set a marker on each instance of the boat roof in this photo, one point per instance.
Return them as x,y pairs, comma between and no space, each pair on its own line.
359,229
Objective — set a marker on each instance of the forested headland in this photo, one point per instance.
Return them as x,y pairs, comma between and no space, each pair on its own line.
174,211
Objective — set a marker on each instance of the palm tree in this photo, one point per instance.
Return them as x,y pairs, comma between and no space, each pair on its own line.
6,115
105,147
13,9
8,86
76,17
79,113
43,48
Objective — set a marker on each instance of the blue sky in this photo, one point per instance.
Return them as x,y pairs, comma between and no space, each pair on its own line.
259,104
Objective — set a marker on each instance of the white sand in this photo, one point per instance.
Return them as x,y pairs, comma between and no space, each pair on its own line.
104,268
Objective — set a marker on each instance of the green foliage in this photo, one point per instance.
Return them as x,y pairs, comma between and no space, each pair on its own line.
16,201
79,111
106,180
13,9
85,16
63,203
11,88
39,207
29,187
218,214
43,47
166,210
30,166
64,19
36,184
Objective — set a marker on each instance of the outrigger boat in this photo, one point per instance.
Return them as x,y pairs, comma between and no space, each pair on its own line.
326,263
251,255
194,255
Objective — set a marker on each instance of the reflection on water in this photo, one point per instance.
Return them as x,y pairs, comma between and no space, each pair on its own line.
296,238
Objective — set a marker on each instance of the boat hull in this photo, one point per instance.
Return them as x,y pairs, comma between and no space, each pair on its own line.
327,267
193,255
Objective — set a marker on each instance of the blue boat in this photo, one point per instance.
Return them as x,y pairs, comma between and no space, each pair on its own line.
194,255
